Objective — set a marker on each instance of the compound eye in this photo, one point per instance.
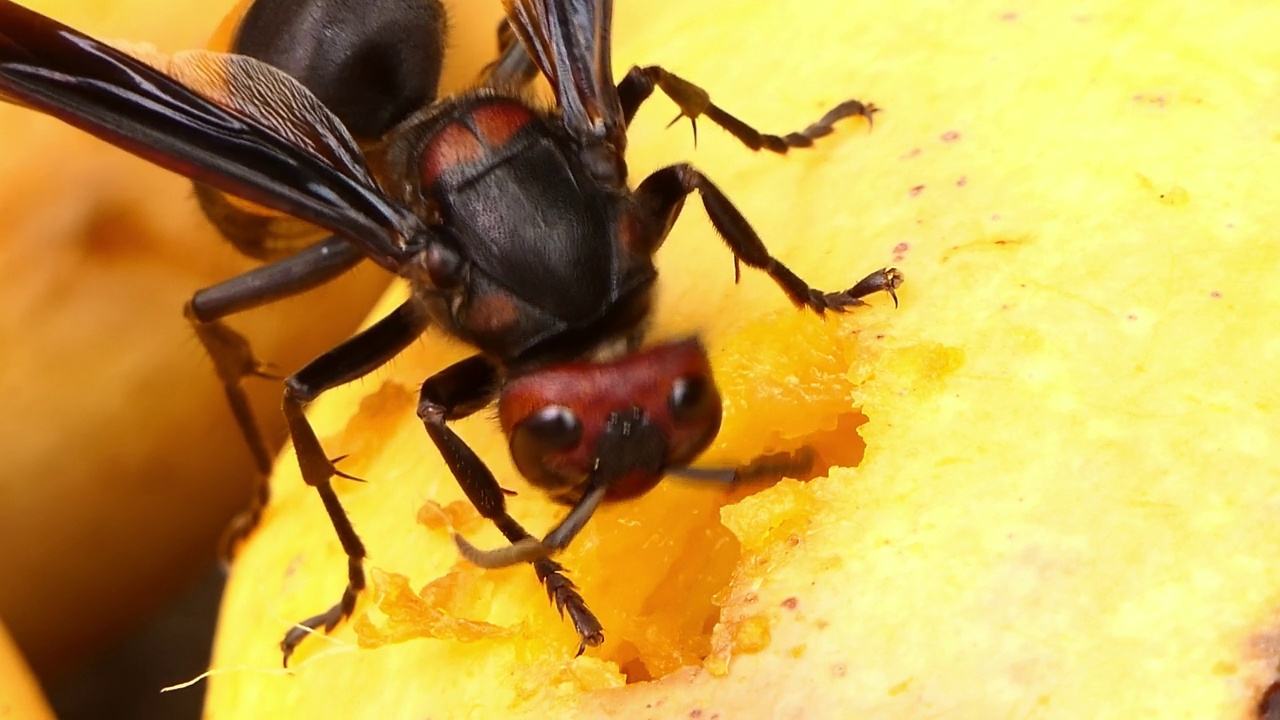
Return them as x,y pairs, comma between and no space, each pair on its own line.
552,429
444,266
692,399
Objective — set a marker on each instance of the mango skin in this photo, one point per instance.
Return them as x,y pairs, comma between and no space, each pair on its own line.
122,463
1064,506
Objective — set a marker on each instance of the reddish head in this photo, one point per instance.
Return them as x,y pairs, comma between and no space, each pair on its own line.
620,423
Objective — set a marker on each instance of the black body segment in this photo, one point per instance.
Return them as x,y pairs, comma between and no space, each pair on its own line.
372,63
520,190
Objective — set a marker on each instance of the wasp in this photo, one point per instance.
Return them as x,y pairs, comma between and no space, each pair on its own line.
515,226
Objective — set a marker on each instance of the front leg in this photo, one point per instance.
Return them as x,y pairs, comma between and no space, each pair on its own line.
661,196
694,102
355,358
454,393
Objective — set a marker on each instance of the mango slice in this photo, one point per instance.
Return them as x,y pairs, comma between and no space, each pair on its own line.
1046,483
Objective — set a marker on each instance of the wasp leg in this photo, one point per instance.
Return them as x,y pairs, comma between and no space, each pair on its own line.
354,358
232,357
694,102
454,393
628,446
531,549
263,237
662,194
514,68
765,467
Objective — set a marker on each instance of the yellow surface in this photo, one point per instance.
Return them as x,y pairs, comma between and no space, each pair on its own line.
121,462
1066,505
20,696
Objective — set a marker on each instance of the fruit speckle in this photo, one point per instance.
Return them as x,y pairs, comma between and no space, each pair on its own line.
752,635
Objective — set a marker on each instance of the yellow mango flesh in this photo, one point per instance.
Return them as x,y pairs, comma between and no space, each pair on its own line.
1065,504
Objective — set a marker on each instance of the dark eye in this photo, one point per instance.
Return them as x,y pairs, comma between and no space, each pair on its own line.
552,429
693,398
444,266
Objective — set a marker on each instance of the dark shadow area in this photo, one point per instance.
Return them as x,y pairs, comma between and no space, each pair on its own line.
1269,704
124,681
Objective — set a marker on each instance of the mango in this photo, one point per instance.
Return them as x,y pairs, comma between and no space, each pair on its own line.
1046,483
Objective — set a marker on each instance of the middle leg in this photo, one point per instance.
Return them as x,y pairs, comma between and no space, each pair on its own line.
356,357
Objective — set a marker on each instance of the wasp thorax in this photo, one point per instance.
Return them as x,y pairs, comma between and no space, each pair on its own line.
606,164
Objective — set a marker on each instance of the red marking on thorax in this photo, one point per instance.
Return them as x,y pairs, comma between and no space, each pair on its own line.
495,123
467,139
452,146
492,313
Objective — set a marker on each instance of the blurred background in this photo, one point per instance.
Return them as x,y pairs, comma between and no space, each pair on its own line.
123,462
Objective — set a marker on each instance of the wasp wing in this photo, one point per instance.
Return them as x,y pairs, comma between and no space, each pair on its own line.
228,121
570,42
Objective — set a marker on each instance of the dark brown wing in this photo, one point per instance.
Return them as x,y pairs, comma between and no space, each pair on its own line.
227,121
570,42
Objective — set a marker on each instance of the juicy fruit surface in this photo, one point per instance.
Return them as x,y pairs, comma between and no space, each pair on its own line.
1046,483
